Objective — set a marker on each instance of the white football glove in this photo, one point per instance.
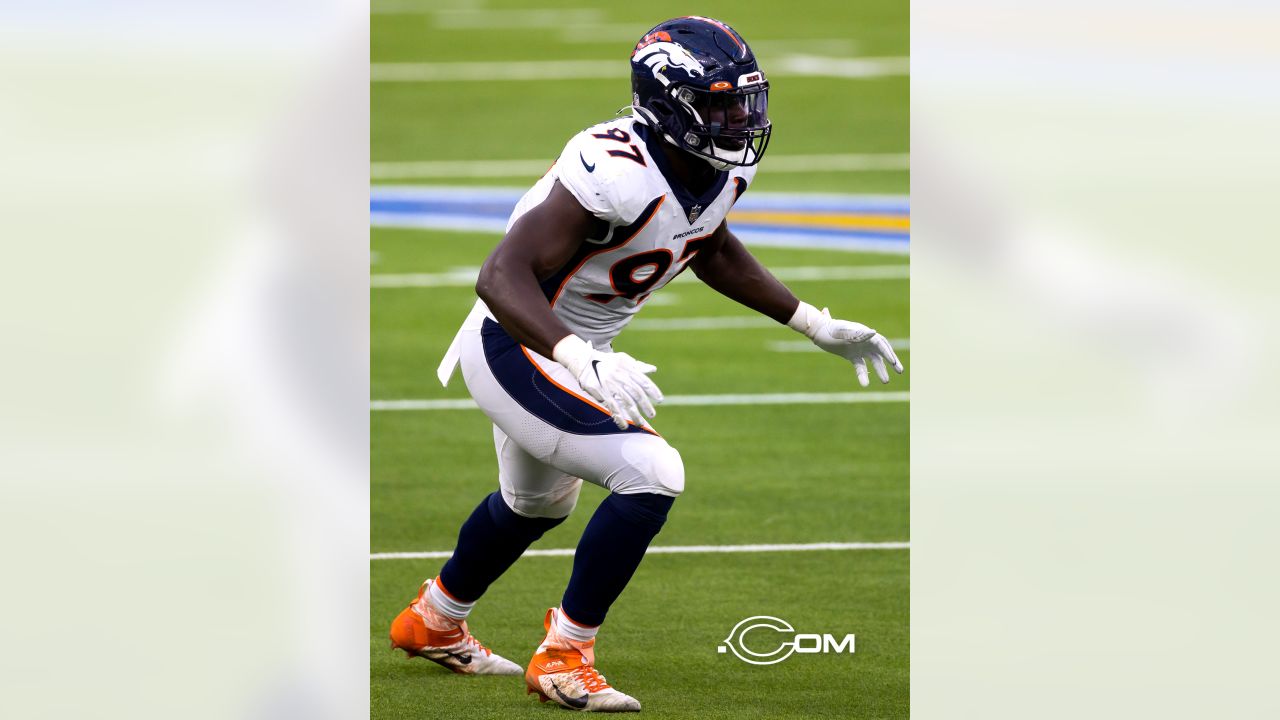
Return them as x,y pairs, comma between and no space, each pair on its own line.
615,380
852,341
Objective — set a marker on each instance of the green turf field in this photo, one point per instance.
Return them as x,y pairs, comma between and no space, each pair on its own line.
533,119
755,474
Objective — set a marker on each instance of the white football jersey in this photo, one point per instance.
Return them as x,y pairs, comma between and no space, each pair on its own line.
655,227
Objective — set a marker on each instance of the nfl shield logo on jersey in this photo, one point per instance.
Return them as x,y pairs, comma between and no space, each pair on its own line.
694,212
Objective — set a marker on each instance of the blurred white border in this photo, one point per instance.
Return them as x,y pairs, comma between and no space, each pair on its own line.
185,396
1093,333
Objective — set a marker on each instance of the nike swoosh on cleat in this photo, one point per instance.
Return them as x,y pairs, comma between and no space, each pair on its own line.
578,703
464,659
590,168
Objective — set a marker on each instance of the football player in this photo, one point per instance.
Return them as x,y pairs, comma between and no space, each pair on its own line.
628,206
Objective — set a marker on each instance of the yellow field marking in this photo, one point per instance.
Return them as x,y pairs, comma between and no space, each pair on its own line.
893,222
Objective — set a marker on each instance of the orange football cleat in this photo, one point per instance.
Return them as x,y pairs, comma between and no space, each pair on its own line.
563,671
423,631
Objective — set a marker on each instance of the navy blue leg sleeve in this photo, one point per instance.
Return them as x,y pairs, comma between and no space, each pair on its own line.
488,543
609,552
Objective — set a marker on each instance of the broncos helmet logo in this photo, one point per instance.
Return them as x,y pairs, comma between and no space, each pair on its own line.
660,56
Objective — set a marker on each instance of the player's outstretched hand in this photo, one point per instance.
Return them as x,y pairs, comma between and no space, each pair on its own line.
856,343
615,380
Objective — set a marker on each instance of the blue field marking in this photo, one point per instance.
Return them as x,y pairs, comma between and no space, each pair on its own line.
399,206
486,210
428,221
741,227
817,202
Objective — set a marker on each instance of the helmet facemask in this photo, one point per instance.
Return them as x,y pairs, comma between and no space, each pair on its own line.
728,127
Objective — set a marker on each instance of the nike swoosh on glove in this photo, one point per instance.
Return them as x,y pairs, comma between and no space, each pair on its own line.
615,380
852,341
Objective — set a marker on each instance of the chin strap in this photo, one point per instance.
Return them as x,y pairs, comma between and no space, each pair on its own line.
720,164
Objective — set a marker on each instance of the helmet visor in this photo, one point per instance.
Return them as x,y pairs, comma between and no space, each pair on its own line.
730,120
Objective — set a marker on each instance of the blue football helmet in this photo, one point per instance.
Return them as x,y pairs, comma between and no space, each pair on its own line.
695,81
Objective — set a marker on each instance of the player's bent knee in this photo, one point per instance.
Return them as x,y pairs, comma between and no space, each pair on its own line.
668,470
657,469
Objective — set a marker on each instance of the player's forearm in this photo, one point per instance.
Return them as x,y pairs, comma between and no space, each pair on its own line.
516,300
735,273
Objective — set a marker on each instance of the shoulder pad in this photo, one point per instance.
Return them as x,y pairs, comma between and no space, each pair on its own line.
606,169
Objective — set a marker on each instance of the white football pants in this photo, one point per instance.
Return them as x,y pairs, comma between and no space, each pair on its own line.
549,435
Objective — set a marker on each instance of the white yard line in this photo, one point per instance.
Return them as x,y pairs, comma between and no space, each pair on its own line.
461,404
731,322
465,278
762,200
460,278
481,71
846,162
457,169
819,66
865,396
806,346
849,162
868,396
839,47
672,550
469,16
844,272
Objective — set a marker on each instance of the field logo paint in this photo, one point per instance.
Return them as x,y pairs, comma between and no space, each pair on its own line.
805,643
